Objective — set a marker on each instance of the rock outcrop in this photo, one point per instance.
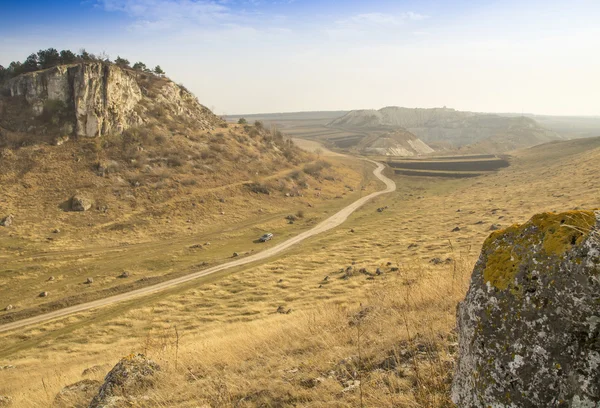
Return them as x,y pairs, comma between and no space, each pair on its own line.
529,328
97,98
126,382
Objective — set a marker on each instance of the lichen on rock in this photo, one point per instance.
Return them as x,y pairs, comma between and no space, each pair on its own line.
529,327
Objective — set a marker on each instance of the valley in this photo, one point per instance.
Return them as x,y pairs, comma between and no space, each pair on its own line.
408,235
132,219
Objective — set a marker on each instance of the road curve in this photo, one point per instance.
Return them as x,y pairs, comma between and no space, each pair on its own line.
325,225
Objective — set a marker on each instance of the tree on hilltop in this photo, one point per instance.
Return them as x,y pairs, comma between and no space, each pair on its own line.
31,64
67,57
122,62
139,66
48,58
86,56
158,70
242,121
14,69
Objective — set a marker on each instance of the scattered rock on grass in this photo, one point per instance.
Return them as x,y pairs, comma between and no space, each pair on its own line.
282,310
80,203
43,294
7,221
351,385
5,401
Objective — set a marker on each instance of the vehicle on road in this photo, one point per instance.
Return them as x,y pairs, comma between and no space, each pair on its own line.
266,237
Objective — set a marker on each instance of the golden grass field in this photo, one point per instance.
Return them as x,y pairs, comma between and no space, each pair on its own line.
150,238
393,333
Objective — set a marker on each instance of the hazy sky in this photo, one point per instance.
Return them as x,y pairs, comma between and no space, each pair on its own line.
250,56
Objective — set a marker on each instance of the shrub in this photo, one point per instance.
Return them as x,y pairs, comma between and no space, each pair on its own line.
175,161
242,121
314,169
295,175
258,188
189,182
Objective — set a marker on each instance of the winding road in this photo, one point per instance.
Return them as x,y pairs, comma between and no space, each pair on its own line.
331,222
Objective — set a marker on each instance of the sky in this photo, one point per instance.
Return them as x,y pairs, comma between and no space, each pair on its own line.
259,56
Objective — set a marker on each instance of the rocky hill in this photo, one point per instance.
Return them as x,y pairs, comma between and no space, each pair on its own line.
94,99
128,144
492,133
395,143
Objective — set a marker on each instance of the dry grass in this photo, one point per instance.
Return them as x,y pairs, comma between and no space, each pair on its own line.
235,350
145,221
398,344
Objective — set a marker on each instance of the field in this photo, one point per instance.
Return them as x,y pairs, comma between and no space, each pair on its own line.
355,338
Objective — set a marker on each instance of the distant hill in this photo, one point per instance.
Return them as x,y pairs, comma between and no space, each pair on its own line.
487,133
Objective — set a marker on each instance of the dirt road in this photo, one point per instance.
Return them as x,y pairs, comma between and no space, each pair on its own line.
325,225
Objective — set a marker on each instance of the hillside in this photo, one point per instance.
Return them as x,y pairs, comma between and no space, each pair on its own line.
166,187
483,133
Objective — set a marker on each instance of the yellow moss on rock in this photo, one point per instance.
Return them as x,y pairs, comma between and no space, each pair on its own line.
564,230
501,268
557,233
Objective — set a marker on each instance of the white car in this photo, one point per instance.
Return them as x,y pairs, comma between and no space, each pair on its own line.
266,237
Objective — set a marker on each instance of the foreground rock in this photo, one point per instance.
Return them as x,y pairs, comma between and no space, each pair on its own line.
76,395
126,382
529,328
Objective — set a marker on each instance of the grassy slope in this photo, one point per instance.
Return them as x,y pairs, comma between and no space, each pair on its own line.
235,350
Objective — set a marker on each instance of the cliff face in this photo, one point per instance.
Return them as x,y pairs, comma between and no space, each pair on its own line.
103,98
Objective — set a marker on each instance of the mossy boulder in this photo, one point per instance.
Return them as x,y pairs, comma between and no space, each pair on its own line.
529,327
